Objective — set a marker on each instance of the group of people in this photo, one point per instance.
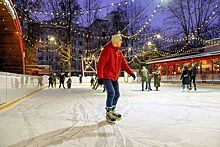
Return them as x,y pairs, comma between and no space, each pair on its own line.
52,80
188,76
110,63
146,77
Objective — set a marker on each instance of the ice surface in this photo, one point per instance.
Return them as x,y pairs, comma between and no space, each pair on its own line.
76,117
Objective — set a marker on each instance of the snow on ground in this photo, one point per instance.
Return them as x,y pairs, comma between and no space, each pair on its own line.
76,117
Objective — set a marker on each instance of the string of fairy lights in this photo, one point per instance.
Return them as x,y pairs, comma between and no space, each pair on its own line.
192,35
136,56
161,53
63,24
178,52
84,34
133,36
139,30
43,12
188,38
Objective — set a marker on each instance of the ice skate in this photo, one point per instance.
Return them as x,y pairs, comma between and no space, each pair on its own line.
117,116
110,117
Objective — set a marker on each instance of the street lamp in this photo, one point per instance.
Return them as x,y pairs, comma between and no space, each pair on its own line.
149,44
51,38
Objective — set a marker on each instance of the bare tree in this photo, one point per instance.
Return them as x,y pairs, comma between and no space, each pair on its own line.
68,12
89,11
29,27
191,18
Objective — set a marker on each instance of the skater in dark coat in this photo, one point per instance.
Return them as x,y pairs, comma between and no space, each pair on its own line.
193,72
50,82
185,77
80,79
62,79
108,69
92,81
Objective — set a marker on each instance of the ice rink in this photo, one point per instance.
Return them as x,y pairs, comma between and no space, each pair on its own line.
76,117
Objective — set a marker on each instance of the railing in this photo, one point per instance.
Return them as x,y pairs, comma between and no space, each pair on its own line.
199,77
14,86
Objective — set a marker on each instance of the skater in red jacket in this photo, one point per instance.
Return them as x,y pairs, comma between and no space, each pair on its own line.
108,69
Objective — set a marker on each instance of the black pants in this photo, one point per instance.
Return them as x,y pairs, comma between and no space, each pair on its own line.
62,84
50,84
194,81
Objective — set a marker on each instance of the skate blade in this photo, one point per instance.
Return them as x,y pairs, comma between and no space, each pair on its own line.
119,118
110,122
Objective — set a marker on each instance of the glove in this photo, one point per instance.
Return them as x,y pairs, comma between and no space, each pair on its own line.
133,75
100,81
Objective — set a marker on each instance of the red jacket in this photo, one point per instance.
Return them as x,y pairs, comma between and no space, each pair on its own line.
110,62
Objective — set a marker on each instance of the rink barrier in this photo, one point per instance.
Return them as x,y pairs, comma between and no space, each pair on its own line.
15,87
19,99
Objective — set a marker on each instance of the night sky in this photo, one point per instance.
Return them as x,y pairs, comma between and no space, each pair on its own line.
158,18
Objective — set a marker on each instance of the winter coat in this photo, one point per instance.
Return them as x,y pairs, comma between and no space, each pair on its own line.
69,81
110,62
185,77
62,78
144,74
50,79
193,71
54,79
157,79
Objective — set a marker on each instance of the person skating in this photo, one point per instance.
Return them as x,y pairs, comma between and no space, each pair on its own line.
95,84
54,79
92,80
69,81
144,77
157,79
185,77
62,79
108,69
193,72
149,82
40,81
50,79
80,79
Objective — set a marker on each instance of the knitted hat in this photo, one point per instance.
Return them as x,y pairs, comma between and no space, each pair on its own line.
116,38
